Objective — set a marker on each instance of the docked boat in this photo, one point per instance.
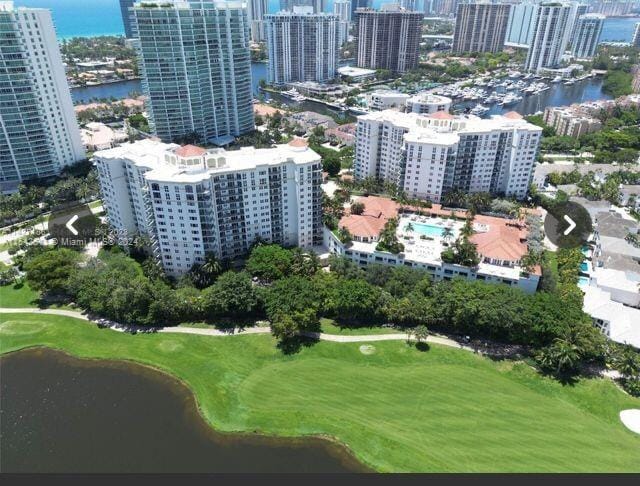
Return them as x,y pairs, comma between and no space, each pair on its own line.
557,79
479,110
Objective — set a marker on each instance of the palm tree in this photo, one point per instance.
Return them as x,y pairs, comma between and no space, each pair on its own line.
211,266
345,236
447,234
467,229
453,198
629,364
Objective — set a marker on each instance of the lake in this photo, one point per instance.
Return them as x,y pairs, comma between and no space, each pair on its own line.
62,414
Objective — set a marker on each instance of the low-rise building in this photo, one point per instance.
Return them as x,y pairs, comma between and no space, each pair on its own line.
630,196
356,74
345,134
610,274
98,136
427,103
308,120
572,121
425,234
192,202
385,99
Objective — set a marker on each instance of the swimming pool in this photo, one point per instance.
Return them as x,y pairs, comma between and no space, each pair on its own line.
584,267
583,281
428,229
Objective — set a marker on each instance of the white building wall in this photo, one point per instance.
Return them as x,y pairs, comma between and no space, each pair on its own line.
552,30
403,148
174,202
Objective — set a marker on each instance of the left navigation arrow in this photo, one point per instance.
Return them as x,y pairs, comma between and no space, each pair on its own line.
69,224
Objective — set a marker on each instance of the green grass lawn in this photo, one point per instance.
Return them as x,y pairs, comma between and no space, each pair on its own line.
18,295
329,326
398,409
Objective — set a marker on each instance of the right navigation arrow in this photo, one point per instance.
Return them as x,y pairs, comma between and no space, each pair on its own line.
572,225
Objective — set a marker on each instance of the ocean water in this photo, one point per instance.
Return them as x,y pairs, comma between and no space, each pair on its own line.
618,29
87,18
81,18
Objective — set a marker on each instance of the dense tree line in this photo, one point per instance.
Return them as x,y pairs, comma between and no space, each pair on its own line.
292,291
76,183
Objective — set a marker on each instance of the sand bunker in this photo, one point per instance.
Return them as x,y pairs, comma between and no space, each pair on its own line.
631,419
367,349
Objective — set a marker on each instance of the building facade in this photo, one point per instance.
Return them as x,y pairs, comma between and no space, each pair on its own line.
39,133
342,8
125,5
356,4
572,121
552,29
613,8
193,202
480,27
429,156
501,243
635,41
196,69
428,103
319,6
302,46
521,23
256,10
388,38
587,35
443,8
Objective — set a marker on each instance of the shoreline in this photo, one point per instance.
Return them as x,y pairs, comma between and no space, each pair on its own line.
345,455
87,344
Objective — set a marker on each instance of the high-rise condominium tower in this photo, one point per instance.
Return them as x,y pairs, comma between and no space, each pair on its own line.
388,38
409,4
635,42
303,46
356,4
427,156
342,8
586,35
480,27
256,10
552,27
317,5
441,7
196,69
125,5
39,133
521,22
193,202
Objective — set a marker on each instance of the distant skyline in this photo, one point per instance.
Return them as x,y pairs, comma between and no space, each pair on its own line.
82,18
85,18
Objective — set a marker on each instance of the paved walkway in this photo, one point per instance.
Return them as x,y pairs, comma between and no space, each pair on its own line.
336,338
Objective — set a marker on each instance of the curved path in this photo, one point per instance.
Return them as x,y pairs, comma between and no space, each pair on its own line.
337,338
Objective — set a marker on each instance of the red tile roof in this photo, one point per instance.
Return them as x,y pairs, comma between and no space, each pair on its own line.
369,224
503,241
513,115
190,151
442,115
298,142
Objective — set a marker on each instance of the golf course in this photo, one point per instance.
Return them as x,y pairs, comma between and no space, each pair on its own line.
395,407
